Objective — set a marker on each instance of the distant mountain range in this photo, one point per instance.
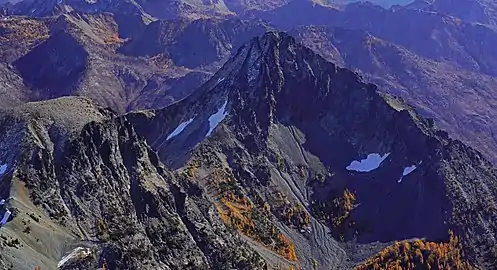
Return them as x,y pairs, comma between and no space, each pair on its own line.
158,9
481,11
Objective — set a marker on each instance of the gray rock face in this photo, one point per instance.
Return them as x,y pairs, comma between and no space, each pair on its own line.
445,66
437,90
89,175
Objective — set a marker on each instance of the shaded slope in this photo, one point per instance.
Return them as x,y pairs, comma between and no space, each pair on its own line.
264,149
460,101
75,54
196,44
447,57
63,66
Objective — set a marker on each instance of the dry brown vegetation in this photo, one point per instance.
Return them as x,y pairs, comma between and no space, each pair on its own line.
236,209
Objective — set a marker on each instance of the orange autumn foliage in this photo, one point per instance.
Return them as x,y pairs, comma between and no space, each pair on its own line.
419,255
287,249
238,212
343,206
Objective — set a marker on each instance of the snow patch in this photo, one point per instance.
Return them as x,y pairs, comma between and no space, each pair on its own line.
3,169
78,252
6,216
179,129
370,163
217,118
407,171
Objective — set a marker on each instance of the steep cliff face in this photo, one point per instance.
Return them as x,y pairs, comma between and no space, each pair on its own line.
322,154
86,192
10,80
438,90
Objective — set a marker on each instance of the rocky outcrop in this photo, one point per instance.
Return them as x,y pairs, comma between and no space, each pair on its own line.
428,85
87,177
444,62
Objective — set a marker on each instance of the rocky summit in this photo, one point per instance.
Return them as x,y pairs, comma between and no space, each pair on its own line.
281,160
338,168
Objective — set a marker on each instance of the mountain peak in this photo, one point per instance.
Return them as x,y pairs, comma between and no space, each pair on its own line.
274,79
279,117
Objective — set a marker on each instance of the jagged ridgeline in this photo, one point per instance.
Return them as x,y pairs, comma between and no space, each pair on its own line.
281,159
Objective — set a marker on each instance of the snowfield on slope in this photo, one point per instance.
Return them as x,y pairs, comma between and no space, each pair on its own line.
217,118
407,171
179,129
3,169
5,218
78,252
370,163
